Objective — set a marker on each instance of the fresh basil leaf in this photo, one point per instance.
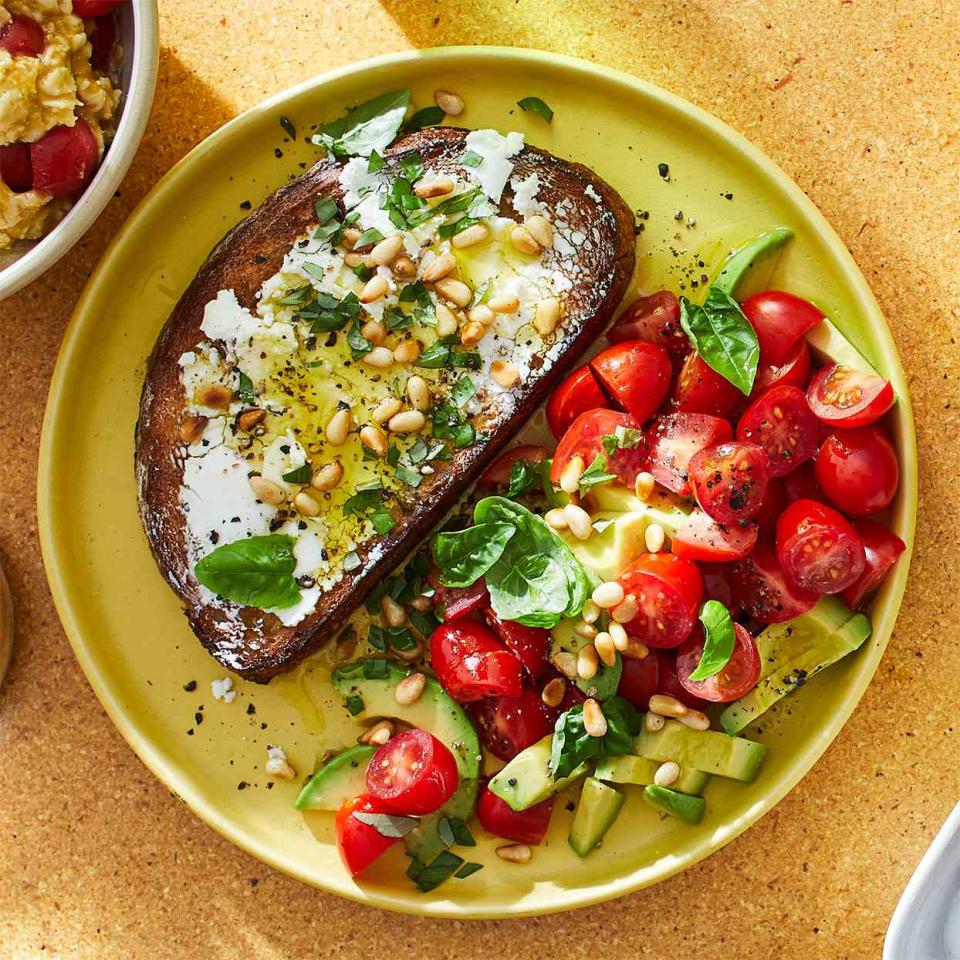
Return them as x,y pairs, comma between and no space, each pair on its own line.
719,640
456,830
297,297
463,391
463,435
371,235
596,474
375,163
245,390
388,824
464,359
471,158
572,745
533,590
524,476
257,572
401,638
424,117
455,204
366,498
354,705
301,474
382,520
466,555
375,668
377,638
411,166
722,335
536,105
623,438
468,870
326,210
370,126
447,230
409,476
443,866
358,343
435,356
415,293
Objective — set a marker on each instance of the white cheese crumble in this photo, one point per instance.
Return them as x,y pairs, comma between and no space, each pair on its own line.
284,455
357,182
525,195
495,149
277,764
223,690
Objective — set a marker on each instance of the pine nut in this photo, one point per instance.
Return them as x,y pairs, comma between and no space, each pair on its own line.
591,612
404,267
352,259
215,395
428,189
635,650
608,595
554,692
338,428
523,240
472,333
447,321
584,629
482,314
473,235
571,474
457,292
443,265
326,478
385,409
654,537
379,357
450,103
394,613
547,316
410,421
409,654
373,289
408,351
540,229
267,491
505,373
605,649
373,439
653,722
666,774
418,392
556,518
306,504
566,663
594,722
374,331
621,641
515,853
387,250
695,720
624,612
191,430
409,689
251,418
587,662
421,603
350,237
504,303
667,706
643,486
578,520
379,733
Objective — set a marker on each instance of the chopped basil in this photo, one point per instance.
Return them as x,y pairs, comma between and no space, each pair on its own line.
366,498
536,105
424,623
375,162
454,830
524,476
354,705
256,572
393,455
326,210
377,638
375,668
288,128
572,745
471,159
388,824
369,126
358,343
409,476
464,434
596,474
443,866
424,117
298,297
468,870
465,359
401,638
436,355
301,474
623,438
382,520
362,272
463,391
447,230
719,640
351,561
418,451
411,166
397,320
245,390
415,293
455,204
372,235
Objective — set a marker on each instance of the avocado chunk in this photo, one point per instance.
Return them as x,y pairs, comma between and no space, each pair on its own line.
598,808
705,750
663,507
793,652
603,685
617,540
748,257
375,682
640,772
689,809
526,780
829,345
341,778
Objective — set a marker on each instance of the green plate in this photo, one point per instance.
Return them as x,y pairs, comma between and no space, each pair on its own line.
125,624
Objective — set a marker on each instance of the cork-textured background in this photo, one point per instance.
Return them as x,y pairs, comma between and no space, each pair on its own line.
858,101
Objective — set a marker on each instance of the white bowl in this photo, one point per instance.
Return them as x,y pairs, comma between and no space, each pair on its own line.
26,260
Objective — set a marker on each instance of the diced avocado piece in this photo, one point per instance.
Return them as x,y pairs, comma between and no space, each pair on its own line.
341,778
375,682
830,345
598,808
705,750
526,780
663,507
793,652
618,538
603,685
748,256
640,772
687,808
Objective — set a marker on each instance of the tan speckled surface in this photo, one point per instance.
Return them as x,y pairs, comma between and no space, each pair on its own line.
858,101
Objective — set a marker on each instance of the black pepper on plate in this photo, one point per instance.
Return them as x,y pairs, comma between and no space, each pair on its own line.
245,205
190,686
664,170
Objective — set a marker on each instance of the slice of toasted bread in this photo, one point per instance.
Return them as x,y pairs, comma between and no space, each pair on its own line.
593,255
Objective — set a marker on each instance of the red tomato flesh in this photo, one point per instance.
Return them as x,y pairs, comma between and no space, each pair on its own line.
94,8
782,423
508,725
64,159
640,680
455,603
584,438
655,319
730,480
413,773
359,843
700,389
471,663
16,171
739,676
717,585
22,36
498,473
703,538
102,39
672,440
577,394
774,503
780,320
528,644
858,470
670,683
881,548
636,375
801,484
523,826
668,590
792,372
762,590
817,548
842,397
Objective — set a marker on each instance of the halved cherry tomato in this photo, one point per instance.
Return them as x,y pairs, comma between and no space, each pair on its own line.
801,484
655,319
881,548
413,773
498,473
669,682
668,590
16,170
520,826
529,644
794,371
782,423
718,585
636,375
472,663
858,470
359,843
584,438
817,548
508,725
729,480
94,8
763,592
64,159
700,389
774,503
780,320
639,680
672,440
102,39
843,397
22,36
739,676
455,603
577,394
703,538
